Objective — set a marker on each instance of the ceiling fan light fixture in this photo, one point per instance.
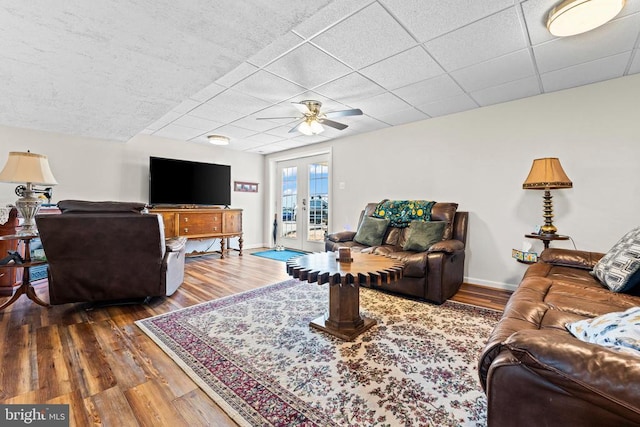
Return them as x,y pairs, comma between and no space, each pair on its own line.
305,128
572,17
218,139
316,127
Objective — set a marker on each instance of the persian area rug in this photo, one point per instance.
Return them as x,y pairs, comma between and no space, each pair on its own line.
284,255
256,356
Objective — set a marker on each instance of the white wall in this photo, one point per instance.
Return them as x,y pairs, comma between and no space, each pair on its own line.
480,158
94,169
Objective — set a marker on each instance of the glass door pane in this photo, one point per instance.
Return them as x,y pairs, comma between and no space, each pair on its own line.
289,203
318,211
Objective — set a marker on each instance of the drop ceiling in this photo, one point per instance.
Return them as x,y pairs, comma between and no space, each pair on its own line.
183,70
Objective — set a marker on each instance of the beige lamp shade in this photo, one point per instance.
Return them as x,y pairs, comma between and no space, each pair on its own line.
27,168
547,174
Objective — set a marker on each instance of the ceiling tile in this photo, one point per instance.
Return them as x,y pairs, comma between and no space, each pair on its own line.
235,100
350,89
264,138
524,88
587,73
430,90
451,105
216,113
403,116
283,131
239,73
308,66
329,15
279,47
186,106
402,69
312,139
328,104
366,37
619,36
194,122
488,38
208,92
268,87
177,132
428,19
234,132
381,105
164,120
366,124
512,66
252,123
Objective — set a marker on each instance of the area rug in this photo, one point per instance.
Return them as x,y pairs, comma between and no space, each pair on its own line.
256,356
284,255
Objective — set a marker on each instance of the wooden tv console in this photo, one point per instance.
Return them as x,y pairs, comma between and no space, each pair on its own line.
203,223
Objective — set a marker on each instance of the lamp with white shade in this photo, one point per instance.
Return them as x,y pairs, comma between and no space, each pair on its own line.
30,169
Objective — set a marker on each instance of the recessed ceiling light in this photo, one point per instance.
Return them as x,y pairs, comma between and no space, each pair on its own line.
573,17
218,139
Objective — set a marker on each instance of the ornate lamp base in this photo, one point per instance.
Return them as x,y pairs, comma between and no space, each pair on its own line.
28,206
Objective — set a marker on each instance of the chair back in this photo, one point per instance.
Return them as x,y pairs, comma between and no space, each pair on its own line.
103,252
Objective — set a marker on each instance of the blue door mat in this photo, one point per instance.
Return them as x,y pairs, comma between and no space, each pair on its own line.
284,255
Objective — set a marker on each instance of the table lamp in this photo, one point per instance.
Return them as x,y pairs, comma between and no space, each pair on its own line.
31,169
547,174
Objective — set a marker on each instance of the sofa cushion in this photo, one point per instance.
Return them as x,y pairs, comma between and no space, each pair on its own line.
618,330
619,269
371,231
423,234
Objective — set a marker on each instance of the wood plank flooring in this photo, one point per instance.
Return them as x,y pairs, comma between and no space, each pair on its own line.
109,372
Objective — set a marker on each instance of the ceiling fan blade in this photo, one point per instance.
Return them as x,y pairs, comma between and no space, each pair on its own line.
335,125
276,118
343,113
302,107
295,128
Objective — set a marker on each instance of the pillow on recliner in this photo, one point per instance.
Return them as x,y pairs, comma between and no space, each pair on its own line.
371,231
619,269
423,234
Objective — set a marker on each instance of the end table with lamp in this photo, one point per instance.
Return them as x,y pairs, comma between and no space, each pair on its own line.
25,286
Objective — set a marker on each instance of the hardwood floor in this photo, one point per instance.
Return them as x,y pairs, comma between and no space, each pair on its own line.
109,372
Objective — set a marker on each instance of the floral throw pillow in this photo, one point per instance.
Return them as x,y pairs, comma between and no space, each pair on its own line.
618,330
619,269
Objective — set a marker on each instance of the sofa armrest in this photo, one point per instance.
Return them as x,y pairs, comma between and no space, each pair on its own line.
342,236
175,244
447,246
571,258
591,372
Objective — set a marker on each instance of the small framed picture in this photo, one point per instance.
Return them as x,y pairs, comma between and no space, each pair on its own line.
246,187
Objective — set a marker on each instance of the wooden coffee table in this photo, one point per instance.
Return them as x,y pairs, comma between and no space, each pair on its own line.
344,281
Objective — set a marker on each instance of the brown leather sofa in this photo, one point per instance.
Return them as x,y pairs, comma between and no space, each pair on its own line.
108,251
434,275
535,373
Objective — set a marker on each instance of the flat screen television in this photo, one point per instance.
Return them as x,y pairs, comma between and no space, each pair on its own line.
183,182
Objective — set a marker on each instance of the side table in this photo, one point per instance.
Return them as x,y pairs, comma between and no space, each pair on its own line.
25,287
546,238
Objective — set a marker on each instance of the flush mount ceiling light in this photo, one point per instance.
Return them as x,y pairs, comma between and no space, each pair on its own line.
573,17
218,139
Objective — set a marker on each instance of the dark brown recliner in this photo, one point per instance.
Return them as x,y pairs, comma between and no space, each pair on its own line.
434,275
108,251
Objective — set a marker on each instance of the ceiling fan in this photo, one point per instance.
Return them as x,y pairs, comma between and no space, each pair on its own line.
312,118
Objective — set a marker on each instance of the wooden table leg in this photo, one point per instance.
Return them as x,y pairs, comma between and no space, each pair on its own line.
344,319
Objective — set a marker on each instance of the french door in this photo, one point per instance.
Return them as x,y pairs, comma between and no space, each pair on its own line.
303,203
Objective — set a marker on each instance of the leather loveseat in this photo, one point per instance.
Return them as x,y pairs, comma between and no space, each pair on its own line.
109,252
434,274
535,373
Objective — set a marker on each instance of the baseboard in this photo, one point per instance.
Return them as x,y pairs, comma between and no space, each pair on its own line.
490,284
